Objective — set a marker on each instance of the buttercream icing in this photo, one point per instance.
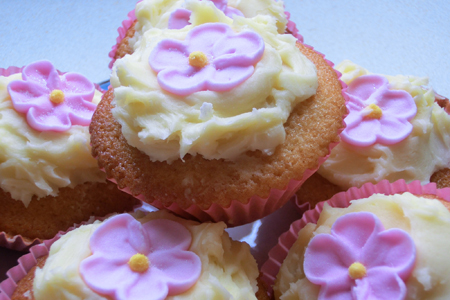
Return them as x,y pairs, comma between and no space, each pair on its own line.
424,151
228,271
158,13
34,163
425,220
216,125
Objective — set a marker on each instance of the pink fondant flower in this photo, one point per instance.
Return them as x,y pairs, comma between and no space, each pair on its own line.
377,114
180,17
360,260
52,102
136,261
212,57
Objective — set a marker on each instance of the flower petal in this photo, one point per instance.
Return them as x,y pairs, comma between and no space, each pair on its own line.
44,119
179,18
242,49
339,289
392,130
227,78
397,103
327,259
179,269
105,275
356,230
380,284
203,37
231,12
167,235
393,249
220,4
186,81
26,94
42,73
148,286
119,237
76,84
361,134
169,54
363,87
79,111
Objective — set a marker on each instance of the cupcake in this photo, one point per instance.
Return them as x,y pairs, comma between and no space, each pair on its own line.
384,241
217,120
397,128
158,256
176,14
49,180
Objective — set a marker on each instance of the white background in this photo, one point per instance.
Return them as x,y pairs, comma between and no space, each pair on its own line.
385,36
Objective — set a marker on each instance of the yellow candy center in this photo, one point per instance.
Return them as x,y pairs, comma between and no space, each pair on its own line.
198,59
357,270
139,263
57,96
375,113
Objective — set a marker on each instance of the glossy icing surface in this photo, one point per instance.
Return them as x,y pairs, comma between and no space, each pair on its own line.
39,163
227,268
425,220
424,151
216,125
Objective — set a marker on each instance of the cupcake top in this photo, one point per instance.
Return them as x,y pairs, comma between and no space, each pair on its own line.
175,14
217,87
385,247
395,130
45,136
159,256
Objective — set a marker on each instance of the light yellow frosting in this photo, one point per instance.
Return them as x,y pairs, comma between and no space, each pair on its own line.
156,13
427,221
214,124
425,151
228,269
34,163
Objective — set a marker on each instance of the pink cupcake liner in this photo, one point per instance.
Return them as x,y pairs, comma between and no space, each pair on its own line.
257,207
25,264
277,254
126,24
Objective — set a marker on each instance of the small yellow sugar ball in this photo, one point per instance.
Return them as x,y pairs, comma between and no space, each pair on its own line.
139,263
357,270
57,96
376,112
198,59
